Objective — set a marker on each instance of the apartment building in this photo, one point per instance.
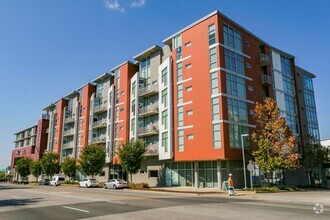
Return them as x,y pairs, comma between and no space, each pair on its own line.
31,142
192,103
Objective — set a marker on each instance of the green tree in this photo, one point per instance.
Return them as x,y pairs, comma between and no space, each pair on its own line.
69,167
92,159
35,168
313,156
131,155
2,176
275,141
23,166
49,163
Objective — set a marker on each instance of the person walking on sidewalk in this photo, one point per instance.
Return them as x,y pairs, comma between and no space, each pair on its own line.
231,185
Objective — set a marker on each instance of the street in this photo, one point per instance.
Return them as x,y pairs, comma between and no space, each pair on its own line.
46,202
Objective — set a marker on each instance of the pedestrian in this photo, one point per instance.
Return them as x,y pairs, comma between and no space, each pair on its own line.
231,185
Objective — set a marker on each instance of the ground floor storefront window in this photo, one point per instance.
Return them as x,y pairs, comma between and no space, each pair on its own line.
208,174
116,172
179,174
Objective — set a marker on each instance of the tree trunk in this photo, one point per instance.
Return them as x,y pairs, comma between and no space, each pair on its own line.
131,177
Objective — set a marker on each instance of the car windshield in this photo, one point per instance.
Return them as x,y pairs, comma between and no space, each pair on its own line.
120,180
61,179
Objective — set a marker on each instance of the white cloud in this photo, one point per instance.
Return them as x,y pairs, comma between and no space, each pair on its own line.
137,3
113,5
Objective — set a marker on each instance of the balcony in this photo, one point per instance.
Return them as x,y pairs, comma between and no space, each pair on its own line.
100,108
148,110
69,119
68,145
68,132
152,149
99,139
100,124
264,59
266,80
148,130
148,90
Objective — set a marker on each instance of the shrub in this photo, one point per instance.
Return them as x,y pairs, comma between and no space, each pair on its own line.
138,185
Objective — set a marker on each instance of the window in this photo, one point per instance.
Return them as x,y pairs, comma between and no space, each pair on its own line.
187,44
153,173
122,110
213,58
214,83
235,86
179,71
216,136
309,98
177,45
189,112
237,111
291,121
190,136
235,132
234,62
117,113
164,98
250,88
164,76
251,112
121,128
188,66
232,38
215,109
308,82
188,89
145,71
133,88
180,94
288,85
247,43
164,141
311,114
133,126
180,140
165,119
211,34
248,65
286,66
180,116
290,104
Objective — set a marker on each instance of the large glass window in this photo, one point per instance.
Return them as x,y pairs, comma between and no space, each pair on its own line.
215,109
180,140
216,136
308,82
164,98
208,175
237,111
145,70
235,135
309,98
290,104
313,130
164,141
311,114
291,121
234,62
214,83
133,88
178,46
286,66
180,94
164,118
213,58
288,85
211,34
180,116
235,86
179,71
164,76
232,38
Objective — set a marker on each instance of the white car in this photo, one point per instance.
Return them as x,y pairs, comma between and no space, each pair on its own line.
57,180
89,183
115,184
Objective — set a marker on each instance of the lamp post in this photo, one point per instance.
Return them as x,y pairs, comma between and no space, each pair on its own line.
244,170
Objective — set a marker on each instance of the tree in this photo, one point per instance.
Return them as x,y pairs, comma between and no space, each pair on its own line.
92,159
275,141
314,155
131,155
23,166
49,163
69,167
35,168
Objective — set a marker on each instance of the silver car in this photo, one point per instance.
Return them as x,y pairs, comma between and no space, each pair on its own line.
115,184
89,183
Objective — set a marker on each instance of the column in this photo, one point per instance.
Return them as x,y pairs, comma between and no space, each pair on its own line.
196,174
219,174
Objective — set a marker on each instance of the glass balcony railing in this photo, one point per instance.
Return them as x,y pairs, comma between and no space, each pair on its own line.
152,149
148,130
264,59
69,119
68,132
99,139
100,123
67,145
100,108
148,90
149,110
265,79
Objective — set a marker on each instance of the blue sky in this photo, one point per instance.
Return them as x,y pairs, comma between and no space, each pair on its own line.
50,48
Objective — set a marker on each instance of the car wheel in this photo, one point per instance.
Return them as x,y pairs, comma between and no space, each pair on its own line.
114,187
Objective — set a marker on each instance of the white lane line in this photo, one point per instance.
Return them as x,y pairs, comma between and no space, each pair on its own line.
81,210
69,196
16,197
112,201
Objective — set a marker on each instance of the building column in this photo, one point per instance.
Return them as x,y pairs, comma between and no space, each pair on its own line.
219,174
196,174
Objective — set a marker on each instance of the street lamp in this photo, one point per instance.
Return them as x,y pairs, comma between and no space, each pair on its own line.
242,140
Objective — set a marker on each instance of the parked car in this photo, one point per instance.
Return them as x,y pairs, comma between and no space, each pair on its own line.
57,180
44,182
115,184
23,180
89,183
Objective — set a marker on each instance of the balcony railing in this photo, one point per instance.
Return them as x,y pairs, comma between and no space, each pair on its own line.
69,119
148,130
264,59
99,139
149,110
152,149
265,79
67,145
99,124
68,132
100,108
148,90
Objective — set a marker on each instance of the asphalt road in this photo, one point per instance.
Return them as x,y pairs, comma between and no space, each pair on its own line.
46,202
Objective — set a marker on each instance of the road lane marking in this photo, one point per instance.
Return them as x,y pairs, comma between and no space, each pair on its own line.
81,210
112,201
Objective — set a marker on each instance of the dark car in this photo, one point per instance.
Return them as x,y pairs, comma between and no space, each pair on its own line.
44,182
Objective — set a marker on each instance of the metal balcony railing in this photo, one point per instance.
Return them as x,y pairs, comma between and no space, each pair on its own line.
152,149
100,123
100,108
148,130
149,110
99,139
148,90
67,145
265,79
68,132
264,59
